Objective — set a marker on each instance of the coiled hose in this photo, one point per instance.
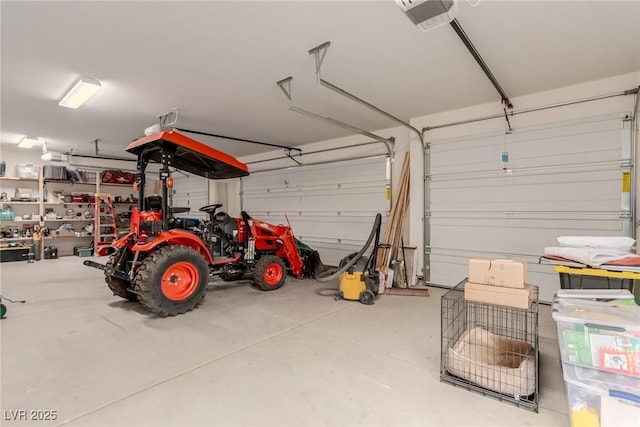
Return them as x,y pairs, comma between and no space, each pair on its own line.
332,274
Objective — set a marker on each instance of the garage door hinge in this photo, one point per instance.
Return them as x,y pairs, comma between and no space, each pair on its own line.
427,214
427,146
427,178
625,215
625,163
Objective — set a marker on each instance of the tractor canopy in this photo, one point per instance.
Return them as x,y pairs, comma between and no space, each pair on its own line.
189,155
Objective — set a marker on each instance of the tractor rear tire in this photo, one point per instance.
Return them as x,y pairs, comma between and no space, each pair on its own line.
269,272
118,286
172,280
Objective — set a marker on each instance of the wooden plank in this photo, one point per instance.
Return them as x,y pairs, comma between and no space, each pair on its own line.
393,232
413,292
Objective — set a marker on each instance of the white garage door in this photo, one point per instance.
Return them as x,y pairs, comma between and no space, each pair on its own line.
192,192
563,179
331,206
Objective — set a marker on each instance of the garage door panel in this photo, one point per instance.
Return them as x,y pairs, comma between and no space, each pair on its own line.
331,206
191,192
287,188
512,238
543,194
492,162
580,147
517,178
336,204
362,171
565,179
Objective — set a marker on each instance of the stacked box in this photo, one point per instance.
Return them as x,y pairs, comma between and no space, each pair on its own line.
499,282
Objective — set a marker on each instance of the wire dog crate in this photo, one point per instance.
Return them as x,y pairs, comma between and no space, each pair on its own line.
490,349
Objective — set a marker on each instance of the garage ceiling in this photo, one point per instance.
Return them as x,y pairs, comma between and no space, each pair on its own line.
218,63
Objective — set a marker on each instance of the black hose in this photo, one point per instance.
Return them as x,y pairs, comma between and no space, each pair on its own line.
329,275
12,301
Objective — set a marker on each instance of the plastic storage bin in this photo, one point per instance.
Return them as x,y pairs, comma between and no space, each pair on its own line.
54,172
25,170
595,278
85,252
599,335
7,213
14,254
599,398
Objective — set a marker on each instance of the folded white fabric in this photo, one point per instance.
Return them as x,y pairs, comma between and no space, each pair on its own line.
606,242
594,257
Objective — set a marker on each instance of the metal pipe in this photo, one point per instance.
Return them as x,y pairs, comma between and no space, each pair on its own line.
359,100
426,200
467,42
197,132
385,141
164,174
104,157
532,109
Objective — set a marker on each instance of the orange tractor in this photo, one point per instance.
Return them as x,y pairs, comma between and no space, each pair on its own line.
165,262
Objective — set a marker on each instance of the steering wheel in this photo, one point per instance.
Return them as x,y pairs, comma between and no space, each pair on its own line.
210,209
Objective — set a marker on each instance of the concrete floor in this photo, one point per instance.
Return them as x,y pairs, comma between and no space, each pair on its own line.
292,357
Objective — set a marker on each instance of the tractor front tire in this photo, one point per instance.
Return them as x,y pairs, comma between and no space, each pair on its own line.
269,272
172,280
118,286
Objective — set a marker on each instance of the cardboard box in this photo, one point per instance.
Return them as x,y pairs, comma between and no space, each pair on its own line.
498,272
498,295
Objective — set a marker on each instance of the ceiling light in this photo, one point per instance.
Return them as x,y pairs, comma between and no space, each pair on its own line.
80,92
28,141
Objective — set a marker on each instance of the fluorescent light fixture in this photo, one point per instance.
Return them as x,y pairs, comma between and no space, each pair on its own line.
80,92
28,141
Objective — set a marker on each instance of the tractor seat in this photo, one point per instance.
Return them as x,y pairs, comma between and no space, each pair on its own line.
221,217
227,224
153,202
